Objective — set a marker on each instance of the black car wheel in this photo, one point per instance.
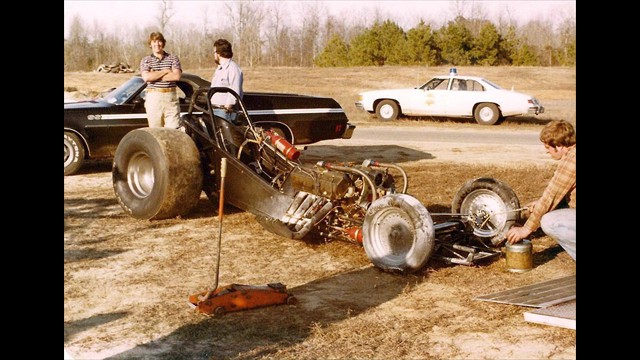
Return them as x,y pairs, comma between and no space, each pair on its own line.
490,207
156,173
73,153
387,110
487,114
398,233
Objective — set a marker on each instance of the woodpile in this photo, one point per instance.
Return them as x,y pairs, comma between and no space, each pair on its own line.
115,68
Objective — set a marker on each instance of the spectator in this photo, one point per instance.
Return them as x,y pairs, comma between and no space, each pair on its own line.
555,210
228,74
161,70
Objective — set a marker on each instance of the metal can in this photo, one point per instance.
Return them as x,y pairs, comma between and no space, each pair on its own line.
519,256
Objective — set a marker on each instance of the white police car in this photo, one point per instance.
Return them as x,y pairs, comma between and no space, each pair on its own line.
451,95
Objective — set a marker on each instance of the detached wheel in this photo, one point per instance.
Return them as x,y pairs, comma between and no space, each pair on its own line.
73,153
398,233
490,205
156,173
387,110
487,114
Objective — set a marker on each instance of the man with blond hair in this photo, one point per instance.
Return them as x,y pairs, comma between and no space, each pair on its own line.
161,70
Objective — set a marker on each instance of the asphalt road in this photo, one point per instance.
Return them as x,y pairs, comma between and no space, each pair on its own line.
493,135
485,145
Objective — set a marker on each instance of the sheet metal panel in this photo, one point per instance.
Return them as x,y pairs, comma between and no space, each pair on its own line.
562,315
540,295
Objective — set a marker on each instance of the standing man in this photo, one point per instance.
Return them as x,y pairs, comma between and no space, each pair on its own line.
227,74
555,211
161,70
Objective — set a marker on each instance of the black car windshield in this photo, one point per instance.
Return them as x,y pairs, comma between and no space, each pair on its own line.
125,91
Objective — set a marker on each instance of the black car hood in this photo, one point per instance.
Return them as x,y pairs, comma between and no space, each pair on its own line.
87,104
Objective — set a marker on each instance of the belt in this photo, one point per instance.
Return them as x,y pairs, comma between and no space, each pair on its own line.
164,90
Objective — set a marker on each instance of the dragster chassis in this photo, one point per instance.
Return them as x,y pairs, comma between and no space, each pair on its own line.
160,173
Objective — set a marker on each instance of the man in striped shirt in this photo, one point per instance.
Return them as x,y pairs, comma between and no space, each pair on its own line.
161,70
555,211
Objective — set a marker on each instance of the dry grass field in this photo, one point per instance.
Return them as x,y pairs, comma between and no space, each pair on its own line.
554,87
126,281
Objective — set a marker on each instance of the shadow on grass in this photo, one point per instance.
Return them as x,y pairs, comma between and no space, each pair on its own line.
91,207
94,166
273,328
206,208
73,327
89,254
546,255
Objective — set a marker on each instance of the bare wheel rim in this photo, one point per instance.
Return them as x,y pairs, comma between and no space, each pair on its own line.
392,233
140,175
487,212
386,111
398,233
67,152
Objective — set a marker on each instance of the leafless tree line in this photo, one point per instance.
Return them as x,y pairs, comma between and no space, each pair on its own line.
262,33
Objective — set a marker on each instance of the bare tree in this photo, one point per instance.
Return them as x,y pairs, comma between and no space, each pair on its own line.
77,49
179,43
477,18
97,37
165,9
505,20
277,46
459,8
539,34
246,20
309,33
332,26
567,41
283,33
202,43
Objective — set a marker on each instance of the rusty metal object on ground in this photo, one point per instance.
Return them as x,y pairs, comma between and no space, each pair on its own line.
236,297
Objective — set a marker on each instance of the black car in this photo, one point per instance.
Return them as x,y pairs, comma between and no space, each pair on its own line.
93,128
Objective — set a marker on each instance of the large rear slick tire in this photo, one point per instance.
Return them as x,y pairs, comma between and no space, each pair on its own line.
398,233
156,173
490,206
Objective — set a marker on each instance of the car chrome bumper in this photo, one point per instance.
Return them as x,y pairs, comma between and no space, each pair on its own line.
349,132
359,106
536,110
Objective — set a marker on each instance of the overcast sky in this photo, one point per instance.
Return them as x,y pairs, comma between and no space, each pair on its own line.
111,15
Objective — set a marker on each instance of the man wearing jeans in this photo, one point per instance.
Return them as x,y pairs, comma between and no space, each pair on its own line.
228,74
161,70
555,211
